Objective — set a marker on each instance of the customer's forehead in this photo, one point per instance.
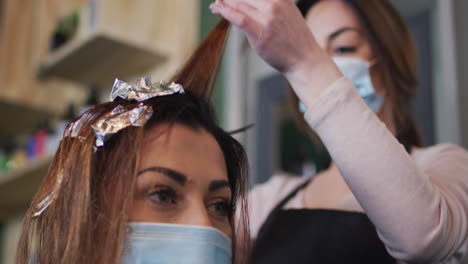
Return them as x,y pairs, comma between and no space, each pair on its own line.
193,151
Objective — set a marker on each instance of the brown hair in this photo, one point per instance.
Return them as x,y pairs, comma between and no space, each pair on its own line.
87,222
392,45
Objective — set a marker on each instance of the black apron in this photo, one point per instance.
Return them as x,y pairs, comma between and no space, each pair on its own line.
304,236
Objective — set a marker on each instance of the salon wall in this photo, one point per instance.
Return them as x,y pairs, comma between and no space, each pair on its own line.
446,86
27,27
25,33
447,59
461,23
207,21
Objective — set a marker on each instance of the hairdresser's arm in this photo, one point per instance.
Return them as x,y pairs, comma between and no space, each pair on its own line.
421,215
296,57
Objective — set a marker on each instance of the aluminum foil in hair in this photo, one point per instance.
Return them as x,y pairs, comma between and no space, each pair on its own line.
75,127
40,207
120,119
143,89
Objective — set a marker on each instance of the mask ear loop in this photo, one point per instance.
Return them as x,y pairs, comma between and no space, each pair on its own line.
381,93
372,63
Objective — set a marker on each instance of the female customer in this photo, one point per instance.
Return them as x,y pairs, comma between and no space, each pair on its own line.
385,198
146,178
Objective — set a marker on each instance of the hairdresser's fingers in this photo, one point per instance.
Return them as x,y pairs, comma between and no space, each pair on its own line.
261,5
260,11
237,17
280,36
246,8
251,3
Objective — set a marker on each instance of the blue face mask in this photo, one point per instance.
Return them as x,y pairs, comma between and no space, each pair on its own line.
357,71
168,244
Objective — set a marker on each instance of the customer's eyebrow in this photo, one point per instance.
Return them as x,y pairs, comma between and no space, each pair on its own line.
218,184
179,177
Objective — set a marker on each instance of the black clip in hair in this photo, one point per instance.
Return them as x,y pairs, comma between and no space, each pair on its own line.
242,129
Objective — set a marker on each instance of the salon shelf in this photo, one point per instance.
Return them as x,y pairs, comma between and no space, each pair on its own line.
18,186
98,57
18,118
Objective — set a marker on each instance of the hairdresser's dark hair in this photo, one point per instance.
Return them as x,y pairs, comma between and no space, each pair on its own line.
92,202
392,45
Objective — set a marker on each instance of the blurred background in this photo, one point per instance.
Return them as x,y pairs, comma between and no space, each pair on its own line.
59,57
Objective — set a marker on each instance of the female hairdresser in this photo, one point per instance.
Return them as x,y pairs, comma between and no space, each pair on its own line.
385,199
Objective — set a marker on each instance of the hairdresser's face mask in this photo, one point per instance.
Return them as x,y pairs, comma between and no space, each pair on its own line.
176,244
357,70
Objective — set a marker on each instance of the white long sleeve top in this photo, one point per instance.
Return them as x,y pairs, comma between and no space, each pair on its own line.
418,202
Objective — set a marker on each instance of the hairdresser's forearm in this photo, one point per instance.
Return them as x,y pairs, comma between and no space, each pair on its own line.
419,211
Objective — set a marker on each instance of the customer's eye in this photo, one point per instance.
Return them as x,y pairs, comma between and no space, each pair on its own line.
163,195
221,207
345,50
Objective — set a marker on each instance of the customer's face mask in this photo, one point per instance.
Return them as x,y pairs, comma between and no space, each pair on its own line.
357,70
181,244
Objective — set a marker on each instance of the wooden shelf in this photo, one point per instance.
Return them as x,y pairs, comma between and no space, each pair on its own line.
18,186
19,118
98,58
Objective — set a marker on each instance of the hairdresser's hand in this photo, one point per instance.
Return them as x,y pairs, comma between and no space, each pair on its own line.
277,31
272,28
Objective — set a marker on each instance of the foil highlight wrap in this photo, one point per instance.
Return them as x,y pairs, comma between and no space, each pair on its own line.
143,89
76,126
118,119
40,207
